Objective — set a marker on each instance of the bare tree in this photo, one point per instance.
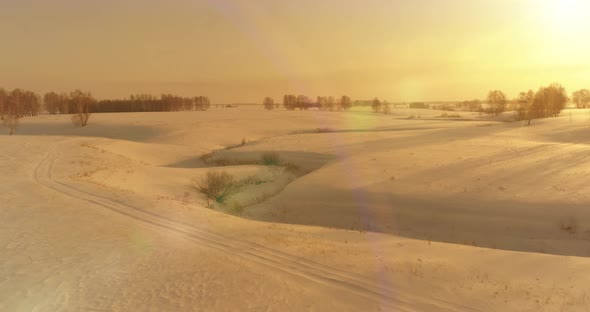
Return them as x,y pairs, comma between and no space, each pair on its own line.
290,101
321,102
16,99
3,103
345,102
525,102
268,103
338,104
376,105
64,104
171,103
581,98
32,103
80,103
202,103
188,103
301,102
11,122
549,101
12,110
51,101
330,103
497,101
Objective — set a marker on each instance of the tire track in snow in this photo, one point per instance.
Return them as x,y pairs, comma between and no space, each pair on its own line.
387,299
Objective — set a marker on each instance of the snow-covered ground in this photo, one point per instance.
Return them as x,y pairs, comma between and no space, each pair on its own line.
369,212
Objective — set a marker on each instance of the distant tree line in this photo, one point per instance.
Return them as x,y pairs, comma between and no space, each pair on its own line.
302,102
473,105
547,101
330,104
19,103
150,103
62,104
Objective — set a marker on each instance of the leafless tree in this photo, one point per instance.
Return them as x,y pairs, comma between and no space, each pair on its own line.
64,104
581,98
13,110
3,103
16,99
345,102
330,105
301,102
32,103
202,103
268,103
80,103
376,105
188,104
321,102
549,101
497,101
290,101
51,101
11,122
525,102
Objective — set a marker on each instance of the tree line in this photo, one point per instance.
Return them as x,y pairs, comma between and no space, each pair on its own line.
547,101
19,103
150,103
302,102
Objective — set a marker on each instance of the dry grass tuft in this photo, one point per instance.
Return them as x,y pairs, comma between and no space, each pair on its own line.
217,187
271,159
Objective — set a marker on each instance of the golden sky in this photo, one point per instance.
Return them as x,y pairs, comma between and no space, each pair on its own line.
243,50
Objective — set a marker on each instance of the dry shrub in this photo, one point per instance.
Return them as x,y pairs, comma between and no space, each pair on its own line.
81,102
217,187
446,115
77,120
570,226
270,159
11,122
224,162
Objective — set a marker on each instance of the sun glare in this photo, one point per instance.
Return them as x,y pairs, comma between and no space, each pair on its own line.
567,16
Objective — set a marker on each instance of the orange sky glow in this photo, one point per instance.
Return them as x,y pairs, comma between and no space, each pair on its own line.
242,51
